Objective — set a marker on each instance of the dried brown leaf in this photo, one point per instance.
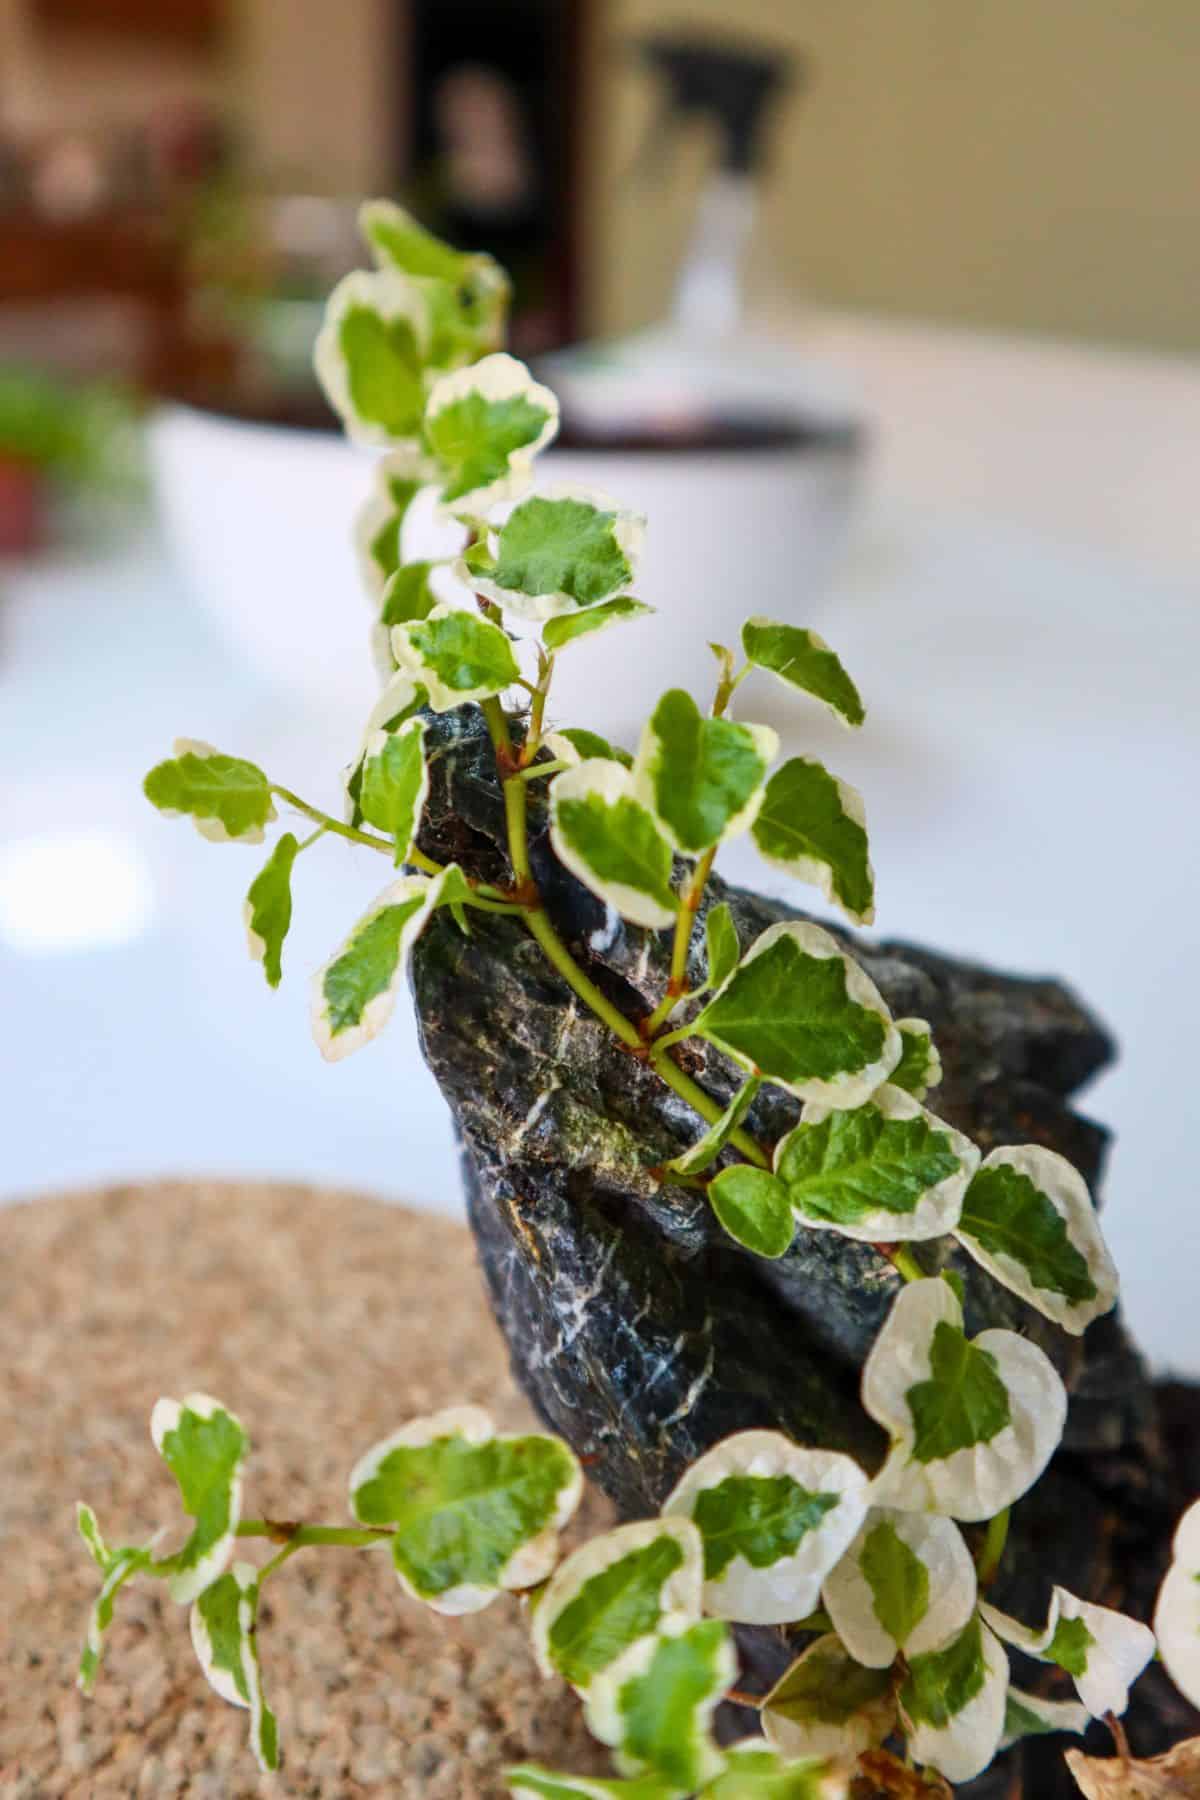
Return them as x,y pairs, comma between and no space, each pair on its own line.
1175,1776
881,1774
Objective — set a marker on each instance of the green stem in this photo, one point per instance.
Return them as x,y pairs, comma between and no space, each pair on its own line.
704,1104
417,858
558,954
295,1536
995,1538
689,906
535,771
903,1260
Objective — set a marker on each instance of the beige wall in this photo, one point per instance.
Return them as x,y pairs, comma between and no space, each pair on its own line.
1032,164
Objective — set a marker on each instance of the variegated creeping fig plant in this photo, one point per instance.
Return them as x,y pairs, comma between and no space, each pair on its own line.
907,1671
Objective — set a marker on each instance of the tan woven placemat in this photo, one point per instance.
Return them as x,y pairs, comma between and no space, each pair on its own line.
324,1320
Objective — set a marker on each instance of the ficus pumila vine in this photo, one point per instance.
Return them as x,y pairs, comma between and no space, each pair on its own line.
906,1649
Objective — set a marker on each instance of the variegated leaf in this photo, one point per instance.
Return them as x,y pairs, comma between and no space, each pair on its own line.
907,1583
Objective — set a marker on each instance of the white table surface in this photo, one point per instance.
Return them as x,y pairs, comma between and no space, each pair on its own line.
1021,607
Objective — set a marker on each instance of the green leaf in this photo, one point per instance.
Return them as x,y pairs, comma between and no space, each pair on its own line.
563,550
953,1703
204,1447
576,745
804,661
775,1518
907,1583
456,656
484,424
756,1772
701,778
408,595
964,1402
898,1580
1029,1220
568,627
532,1782
395,784
752,1205
721,944
355,991
116,1567
973,1421
370,355
401,242
268,908
1069,1646
1029,1715
798,1011
224,1637
828,1705
655,1706
611,843
226,797
473,1513
920,1066
614,1590
707,1148
813,826
880,1172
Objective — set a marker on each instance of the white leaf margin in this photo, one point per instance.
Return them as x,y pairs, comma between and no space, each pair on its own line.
602,1703
839,1092
1064,1187
981,1480
850,1601
963,1748
380,507
629,531
379,1009
611,782
789,1588
391,294
442,697
679,1595
844,1742
1052,1715
1120,1650
212,829
921,1028
815,871
530,1563
936,1212
648,762
374,745
1177,1613
185,1584
496,377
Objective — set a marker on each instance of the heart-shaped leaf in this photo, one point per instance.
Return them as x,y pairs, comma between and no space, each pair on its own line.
1029,1220
752,1205
1103,1651
801,1013
562,550
474,1513
881,1172
484,425
814,826
701,778
775,1518
608,840
612,1591
973,1421
456,656
907,1583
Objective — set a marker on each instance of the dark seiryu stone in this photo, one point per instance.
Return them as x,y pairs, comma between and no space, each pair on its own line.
643,1334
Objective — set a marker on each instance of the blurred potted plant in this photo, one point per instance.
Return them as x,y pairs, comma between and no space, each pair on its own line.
58,438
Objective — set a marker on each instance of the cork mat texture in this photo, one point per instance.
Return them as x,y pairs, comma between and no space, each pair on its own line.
324,1321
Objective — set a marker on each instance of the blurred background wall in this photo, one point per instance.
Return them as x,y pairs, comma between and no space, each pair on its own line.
1029,164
